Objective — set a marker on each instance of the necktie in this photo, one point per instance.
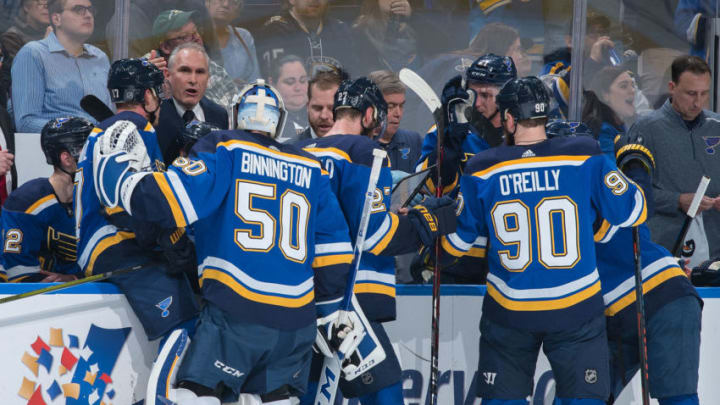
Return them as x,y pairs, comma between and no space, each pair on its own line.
188,116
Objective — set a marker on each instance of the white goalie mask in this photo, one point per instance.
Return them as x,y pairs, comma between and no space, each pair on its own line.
259,107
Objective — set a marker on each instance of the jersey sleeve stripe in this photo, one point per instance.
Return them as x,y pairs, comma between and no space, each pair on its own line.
531,163
3,277
477,252
335,153
544,305
339,247
639,212
375,276
391,223
183,196
104,245
19,271
253,284
601,233
648,271
449,248
94,239
543,293
230,282
41,204
322,261
373,288
648,285
164,186
113,211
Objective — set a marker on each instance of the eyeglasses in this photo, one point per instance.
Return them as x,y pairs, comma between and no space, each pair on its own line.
185,38
235,3
81,11
41,4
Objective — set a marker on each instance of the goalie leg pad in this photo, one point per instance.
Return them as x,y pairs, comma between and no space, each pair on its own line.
164,371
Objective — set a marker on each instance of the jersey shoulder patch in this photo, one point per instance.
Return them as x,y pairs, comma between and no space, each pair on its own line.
31,196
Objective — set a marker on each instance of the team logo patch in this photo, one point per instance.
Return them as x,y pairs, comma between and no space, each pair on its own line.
688,248
711,142
405,153
367,378
164,305
591,376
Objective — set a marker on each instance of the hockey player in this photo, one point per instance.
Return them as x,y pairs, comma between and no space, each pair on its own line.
672,306
346,152
38,228
534,201
110,239
271,243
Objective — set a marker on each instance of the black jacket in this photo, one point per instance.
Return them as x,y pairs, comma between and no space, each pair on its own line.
171,125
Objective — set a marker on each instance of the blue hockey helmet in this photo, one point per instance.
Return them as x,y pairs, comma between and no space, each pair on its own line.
129,78
64,134
567,128
259,107
359,94
524,98
193,131
491,69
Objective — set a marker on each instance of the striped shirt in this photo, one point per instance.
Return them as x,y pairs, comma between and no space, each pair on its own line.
48,82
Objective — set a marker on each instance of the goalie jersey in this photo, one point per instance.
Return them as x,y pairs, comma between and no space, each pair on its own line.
269,235
38,233
108,238
348,159
536,205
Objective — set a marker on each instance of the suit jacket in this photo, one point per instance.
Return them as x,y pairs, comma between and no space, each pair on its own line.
171,125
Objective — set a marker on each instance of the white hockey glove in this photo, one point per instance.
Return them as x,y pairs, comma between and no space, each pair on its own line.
118,150
338,331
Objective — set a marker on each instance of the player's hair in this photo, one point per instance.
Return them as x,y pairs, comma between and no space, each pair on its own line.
494,38
190,46
688,63
277,66
324,80
387,81
348,113
533,122
595,111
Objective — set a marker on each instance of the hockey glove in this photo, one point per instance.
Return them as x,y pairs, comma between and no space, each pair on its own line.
707,274
179,251
456,99
433,218
338,330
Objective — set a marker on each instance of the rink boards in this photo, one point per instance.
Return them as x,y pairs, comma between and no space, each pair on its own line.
85,346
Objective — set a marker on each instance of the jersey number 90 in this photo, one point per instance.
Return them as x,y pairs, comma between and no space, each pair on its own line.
292,224
555,225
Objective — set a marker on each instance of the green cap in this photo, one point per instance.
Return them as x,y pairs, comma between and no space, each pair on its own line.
170,20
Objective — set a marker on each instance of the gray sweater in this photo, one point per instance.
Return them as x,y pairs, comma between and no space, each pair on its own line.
682,157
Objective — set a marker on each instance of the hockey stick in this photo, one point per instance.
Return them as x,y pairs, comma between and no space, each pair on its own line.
640,311
431,100
97,277
691,212
330,373
96,108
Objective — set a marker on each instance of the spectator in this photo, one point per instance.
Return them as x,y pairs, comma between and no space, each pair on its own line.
9,9
321,100
236,44
30,25
188,67
304,29
390,42
174,27
59,70
682,137
691,22
609,105
291,80
403,146
7,145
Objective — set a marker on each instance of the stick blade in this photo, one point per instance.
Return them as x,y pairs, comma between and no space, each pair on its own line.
96,108
418,85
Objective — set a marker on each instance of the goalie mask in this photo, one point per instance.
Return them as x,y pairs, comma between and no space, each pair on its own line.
359,94
64,134
259,107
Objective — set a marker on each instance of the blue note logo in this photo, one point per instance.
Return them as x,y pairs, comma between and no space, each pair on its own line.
405,153
164,305
711,142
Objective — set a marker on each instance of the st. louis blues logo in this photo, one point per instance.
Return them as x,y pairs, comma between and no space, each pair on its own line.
711,142
164,305
405,153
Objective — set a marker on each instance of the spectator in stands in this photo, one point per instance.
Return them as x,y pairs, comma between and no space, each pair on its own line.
383,29
304,29
609,105
403,146
32,24
59,70
691,23
188,67
236,44
9,9
7,137
683,137
321,99
174,27
291,80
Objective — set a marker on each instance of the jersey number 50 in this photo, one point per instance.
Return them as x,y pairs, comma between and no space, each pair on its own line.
556,229
293,209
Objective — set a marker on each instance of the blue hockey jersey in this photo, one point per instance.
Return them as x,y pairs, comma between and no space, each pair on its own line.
348,158
536,205
38,233
269,235
663,279
108,238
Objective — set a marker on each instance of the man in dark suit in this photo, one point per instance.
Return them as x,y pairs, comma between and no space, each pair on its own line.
188,77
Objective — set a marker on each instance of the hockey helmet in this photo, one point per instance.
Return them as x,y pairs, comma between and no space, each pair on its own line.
259,107
525,98
64,134
129,78
562,128
359,94
193,131
491,69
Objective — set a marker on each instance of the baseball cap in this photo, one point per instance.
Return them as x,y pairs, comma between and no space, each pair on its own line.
170,20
